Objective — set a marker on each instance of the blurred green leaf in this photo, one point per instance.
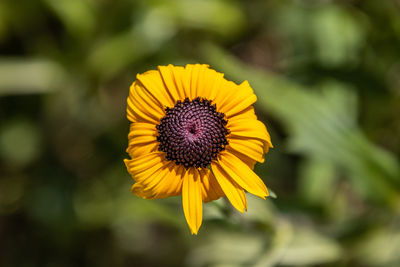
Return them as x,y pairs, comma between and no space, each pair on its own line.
318,127
20,142
206,14
380,247
310,248
329,33
261,210
317,181
226,249
152,29
24,76
337,35
110,202
77,15
110,56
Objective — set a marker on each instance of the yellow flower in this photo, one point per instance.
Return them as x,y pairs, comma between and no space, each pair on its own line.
194,133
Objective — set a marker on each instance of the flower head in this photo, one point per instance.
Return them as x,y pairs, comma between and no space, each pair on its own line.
194,133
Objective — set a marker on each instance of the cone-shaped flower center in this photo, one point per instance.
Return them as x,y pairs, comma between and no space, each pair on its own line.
192,133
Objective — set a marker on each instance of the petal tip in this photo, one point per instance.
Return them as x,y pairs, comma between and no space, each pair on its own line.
126,162
270,143
194,232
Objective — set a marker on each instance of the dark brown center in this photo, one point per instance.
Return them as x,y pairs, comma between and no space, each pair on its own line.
192,133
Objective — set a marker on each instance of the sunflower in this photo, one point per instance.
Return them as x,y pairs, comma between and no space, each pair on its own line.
194,133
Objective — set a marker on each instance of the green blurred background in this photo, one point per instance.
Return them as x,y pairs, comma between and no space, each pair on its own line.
327,77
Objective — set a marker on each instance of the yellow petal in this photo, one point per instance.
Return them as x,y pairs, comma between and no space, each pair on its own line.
138,189
211,90
203,81
142,129
249,162
171,182
210,188
141,139
195,74
137,113
153,83
232,190
237,124
143,100
247,113
192,199
172,77
242,174
252,148
161,181
185,82
142,149
151,176
236,98
248,128
140,164
189,69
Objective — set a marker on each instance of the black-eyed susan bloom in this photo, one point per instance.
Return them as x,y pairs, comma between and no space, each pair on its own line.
194,133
